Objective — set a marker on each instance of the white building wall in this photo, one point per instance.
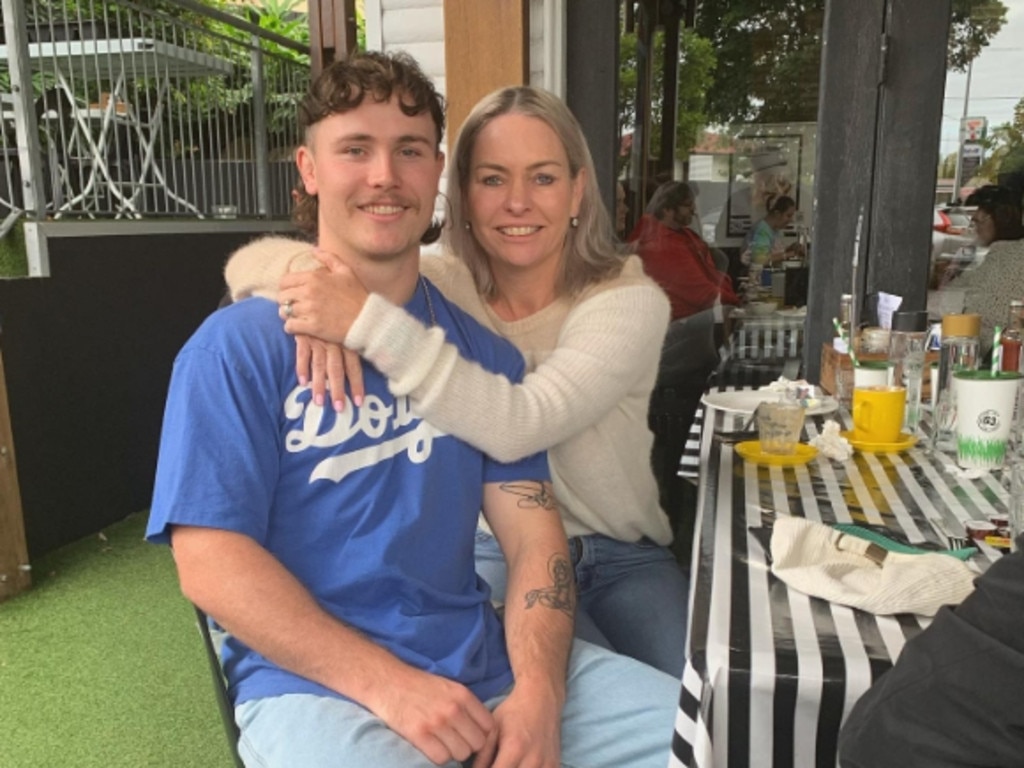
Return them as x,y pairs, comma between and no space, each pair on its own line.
417,27
413,26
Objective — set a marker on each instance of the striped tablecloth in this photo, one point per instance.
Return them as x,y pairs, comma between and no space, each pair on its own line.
779,335
771,673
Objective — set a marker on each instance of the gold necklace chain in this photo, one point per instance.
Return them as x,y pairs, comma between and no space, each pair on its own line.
430,303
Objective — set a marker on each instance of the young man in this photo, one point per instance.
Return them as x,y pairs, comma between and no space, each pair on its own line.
336,548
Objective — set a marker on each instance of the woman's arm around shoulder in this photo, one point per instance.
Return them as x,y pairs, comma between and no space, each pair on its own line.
608,344
256,268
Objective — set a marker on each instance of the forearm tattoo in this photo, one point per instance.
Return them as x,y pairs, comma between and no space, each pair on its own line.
532,495
562,594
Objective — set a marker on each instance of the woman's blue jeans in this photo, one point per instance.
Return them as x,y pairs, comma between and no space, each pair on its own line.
632,596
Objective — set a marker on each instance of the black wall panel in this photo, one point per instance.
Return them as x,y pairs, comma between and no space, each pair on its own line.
88,355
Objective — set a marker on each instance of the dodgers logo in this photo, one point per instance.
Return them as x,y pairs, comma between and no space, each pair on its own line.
372,420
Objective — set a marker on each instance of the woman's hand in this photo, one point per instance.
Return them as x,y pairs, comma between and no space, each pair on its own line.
323,303
325,367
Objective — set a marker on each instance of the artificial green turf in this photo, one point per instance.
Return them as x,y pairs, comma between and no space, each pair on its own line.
13,256
101,663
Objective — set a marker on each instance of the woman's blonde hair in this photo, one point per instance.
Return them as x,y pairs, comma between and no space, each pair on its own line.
591,253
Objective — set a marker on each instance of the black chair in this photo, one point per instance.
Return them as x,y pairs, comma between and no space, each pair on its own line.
689,356
220,687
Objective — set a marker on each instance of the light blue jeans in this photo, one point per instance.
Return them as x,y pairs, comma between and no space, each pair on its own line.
618,714
632,597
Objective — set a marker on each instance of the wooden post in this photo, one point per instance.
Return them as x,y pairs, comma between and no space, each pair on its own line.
14,574
486,47
332,32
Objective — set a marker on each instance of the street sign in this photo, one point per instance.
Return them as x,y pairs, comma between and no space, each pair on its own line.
971,156
973,128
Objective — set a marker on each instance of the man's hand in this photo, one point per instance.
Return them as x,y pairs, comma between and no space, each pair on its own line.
528,733
441,718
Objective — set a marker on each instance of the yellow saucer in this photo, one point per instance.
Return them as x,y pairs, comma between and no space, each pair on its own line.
906,441
751,451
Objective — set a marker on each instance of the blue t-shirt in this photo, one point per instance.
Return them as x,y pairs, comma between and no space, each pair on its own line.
374,510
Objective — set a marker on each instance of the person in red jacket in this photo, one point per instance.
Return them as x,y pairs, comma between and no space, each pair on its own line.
676,257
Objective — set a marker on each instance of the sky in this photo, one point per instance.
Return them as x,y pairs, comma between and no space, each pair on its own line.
996,81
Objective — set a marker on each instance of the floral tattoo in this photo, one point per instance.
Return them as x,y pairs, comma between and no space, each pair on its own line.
562,594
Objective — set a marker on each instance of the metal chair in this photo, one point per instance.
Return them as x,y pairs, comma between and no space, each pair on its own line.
220,686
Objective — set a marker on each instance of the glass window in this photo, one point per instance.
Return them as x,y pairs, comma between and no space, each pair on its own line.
976,227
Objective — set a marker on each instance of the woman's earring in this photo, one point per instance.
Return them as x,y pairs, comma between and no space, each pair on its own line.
574,221
467,226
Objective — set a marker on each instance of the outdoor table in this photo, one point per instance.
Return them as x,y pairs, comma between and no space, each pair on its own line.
771,673
119,62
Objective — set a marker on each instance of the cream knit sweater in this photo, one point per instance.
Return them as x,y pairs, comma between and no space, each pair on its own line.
592,364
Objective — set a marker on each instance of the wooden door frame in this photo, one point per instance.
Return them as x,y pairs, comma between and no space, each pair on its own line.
15,576
487,46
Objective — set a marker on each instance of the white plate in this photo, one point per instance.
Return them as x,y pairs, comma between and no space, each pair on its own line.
801,312
746,400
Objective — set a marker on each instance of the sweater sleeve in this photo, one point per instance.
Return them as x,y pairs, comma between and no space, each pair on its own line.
256,268
608,344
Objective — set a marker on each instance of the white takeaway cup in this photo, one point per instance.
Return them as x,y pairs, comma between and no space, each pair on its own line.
985,402
871,374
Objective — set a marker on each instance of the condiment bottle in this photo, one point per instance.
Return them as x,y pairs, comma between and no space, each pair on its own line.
1012,337
846,316
906,361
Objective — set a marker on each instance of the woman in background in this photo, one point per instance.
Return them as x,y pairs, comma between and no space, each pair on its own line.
999,278
763,245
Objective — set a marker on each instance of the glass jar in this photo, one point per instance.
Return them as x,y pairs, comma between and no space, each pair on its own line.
907,342
959,350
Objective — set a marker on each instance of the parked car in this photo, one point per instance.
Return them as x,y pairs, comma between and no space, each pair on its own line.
954,248
951,231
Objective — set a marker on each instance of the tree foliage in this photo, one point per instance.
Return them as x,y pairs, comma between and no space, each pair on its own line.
1004,147
769,54
973,25
696,63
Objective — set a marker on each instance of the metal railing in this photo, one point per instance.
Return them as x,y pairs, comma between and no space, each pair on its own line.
115,108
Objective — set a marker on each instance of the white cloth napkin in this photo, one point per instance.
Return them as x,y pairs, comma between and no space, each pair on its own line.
823,562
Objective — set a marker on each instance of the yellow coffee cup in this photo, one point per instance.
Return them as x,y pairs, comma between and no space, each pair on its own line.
878,413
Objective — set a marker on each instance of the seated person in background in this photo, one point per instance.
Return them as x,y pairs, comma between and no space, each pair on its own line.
336,547
991,285
953,698
763,244
676,256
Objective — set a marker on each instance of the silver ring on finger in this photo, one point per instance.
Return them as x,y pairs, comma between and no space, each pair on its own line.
287,306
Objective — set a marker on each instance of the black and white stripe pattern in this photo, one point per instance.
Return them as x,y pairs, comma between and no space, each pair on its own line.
772,336
771,673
